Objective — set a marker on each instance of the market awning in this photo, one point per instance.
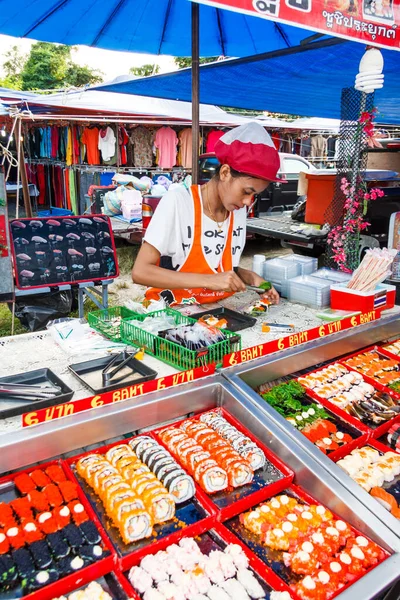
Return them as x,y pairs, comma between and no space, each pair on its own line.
161,27
300,81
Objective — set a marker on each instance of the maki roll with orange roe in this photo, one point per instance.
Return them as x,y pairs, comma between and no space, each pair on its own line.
78,513
24,483
53,495
47,522
22,508
31,532
62,515
4,543
310,588
38,500
56,474
15,537
6,515
40,478
68,490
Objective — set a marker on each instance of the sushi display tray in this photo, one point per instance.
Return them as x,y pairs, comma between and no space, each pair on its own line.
90,373
373,429
39,542
272,478
384,349
216,539
392,487
11,406
111,583
236,321
274,559
197,513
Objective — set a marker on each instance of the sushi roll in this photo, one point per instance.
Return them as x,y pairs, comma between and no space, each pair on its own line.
56,474
40,478
47,522
15,537
38,500
239,474
41,554
127,504
140,579
57,544
53,495
218,593
31,532
70,564
8,572
90,553
180,485
83,463
40,579
23,561
4,543
144,443
90,532
250,583
24,484
210,476
73,535
117,452
159,456
135,525
62,516
235,589
6,515
78,513
68,490
22,508
161,505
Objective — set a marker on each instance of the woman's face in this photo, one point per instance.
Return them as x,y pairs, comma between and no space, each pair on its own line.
237,192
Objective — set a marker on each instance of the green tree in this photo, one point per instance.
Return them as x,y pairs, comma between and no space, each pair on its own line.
145,70
182,62
12,68
50,66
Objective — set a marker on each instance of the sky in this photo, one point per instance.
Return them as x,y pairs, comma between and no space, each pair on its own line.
111,63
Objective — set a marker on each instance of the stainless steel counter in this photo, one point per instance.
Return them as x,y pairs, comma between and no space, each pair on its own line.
249,376
21,448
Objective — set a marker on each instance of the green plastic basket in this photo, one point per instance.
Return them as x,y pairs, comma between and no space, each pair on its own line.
101,320
172,353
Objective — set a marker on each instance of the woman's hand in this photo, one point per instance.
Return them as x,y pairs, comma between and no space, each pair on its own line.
224,282
271,295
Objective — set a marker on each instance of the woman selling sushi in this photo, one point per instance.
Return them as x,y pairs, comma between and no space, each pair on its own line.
192,247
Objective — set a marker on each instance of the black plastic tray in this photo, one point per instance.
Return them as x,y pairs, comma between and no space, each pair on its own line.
19,406
236,320
83,370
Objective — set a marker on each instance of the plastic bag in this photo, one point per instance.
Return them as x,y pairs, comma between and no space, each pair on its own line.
76,337
34,312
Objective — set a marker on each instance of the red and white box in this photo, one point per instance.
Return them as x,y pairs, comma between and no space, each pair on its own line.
344,298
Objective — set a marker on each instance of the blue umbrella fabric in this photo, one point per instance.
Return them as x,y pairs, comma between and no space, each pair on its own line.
148,26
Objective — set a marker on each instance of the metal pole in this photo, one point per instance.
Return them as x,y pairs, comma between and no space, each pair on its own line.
195,92
24,176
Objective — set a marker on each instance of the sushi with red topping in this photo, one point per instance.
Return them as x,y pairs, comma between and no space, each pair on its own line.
38,500
4,543
62,515
78,513
24,483
22,508
6,515
15,537
68,490
56,474
31,532
40,478
53,495
47,522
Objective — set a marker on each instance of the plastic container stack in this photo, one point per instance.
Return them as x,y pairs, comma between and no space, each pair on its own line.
309,290
308,264
333,276
278,271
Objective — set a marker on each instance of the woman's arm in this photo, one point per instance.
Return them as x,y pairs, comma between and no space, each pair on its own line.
147,272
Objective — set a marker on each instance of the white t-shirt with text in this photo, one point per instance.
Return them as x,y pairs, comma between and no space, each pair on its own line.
171,231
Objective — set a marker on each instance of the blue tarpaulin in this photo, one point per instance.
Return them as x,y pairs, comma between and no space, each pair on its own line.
152,26
299,81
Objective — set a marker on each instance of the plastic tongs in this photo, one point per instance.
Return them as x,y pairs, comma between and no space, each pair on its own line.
20,390
108,374
253,288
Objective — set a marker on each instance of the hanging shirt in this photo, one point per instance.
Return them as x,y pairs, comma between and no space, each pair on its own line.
166,141
319,146
90,137
213,138
123,139
185,143
107,143
171,231
141,139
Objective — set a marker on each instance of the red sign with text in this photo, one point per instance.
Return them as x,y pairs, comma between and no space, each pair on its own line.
72,408
373,22
296,339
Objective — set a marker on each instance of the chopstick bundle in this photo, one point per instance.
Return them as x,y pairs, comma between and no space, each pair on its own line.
374,268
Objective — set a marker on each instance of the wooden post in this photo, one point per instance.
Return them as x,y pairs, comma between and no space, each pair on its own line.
24,176
195,92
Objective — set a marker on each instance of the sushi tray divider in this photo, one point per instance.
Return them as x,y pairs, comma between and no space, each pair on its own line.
374,432
88,573
223,535
92,499
243,503
45,374
377,385
387,353
299,493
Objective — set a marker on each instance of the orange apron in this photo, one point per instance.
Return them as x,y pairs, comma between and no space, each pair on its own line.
196,262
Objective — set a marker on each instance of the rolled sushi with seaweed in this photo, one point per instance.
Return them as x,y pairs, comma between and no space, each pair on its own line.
73,535
41,554
8,572
90,553
24,562
70,564
90,532
57,544
39,579
180,485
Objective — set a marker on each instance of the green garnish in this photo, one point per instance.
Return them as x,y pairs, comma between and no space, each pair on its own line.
286,400
395,386
265,285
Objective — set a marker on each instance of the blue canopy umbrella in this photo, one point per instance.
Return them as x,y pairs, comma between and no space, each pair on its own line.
151,26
